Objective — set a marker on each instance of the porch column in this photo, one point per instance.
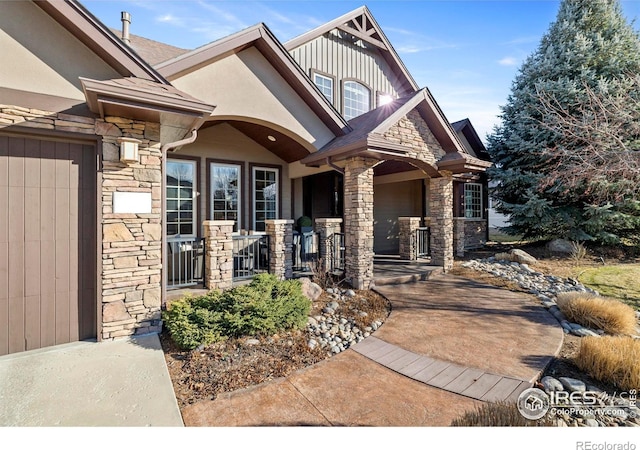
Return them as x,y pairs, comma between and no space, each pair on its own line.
458,235
326,228
280,247
358,215
441,199
218,253
407,233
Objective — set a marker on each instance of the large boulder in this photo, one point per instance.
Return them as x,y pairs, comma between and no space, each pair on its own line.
562,246
310,289
522,257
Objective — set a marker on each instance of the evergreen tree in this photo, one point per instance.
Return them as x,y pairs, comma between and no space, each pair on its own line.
586,63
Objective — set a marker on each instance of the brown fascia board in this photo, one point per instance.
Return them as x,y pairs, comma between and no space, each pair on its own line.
461,163
320,157
448,133
201,56
97,92
390,55
432,115
76,19
261,37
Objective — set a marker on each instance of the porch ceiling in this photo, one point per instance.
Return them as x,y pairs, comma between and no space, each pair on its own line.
284,147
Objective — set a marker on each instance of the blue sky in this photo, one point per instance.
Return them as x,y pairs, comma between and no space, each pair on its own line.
466,52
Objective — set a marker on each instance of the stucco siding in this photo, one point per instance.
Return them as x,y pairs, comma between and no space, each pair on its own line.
245,85
40,56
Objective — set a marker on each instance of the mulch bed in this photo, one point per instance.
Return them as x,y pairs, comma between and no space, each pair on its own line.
236,364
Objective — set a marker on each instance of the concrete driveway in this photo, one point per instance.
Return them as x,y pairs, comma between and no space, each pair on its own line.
119,383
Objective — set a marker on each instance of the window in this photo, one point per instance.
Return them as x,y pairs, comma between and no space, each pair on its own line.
181,181
226,193
473,201
325,84
357,99
265,196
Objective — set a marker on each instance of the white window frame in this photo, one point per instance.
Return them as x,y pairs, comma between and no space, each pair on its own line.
253,195
471,208
322,88
345,89
194,206
212,209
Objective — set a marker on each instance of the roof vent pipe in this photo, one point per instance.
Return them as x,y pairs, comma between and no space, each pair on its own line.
125,17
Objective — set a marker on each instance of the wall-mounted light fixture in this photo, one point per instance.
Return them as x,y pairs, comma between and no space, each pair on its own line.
129,150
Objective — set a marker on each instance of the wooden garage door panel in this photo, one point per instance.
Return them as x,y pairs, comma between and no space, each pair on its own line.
47,243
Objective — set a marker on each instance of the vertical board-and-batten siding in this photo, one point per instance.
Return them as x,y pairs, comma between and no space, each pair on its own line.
333,55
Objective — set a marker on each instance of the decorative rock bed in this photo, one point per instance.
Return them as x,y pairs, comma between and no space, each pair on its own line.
335,331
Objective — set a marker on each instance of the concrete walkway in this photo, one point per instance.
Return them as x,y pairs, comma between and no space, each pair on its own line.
448,345
120,383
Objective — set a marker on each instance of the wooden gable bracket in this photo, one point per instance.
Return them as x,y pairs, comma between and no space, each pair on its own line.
361,28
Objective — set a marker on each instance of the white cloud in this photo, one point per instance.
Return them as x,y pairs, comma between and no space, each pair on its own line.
508,61
171,19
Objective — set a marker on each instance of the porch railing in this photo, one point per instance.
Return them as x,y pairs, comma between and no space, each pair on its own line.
186,262
250,256
305,251
335,251
423,245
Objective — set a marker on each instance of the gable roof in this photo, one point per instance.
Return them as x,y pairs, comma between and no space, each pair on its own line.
92,33
465,128
153,52
361,24
263,39
367,139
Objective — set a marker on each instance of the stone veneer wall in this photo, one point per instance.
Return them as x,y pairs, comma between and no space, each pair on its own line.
129,284
218,253
441,199
408,241
458,235
326,228
280,233
412,131
358,218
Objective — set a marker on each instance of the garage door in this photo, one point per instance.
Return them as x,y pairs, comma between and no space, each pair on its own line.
391,201
47,243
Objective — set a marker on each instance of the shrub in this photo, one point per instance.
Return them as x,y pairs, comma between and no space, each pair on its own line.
610,315
498,415
265,306
611,359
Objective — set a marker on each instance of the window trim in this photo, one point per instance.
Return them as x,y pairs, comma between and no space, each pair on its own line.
252,168
328,76
481,208
242,219
342,99
196,194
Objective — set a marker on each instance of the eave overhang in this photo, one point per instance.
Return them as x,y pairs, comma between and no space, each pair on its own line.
462,163
145,100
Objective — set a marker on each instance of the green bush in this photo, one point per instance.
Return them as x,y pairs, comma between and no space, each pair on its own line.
264,307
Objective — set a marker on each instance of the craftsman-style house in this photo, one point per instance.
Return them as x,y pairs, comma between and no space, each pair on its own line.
129,167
